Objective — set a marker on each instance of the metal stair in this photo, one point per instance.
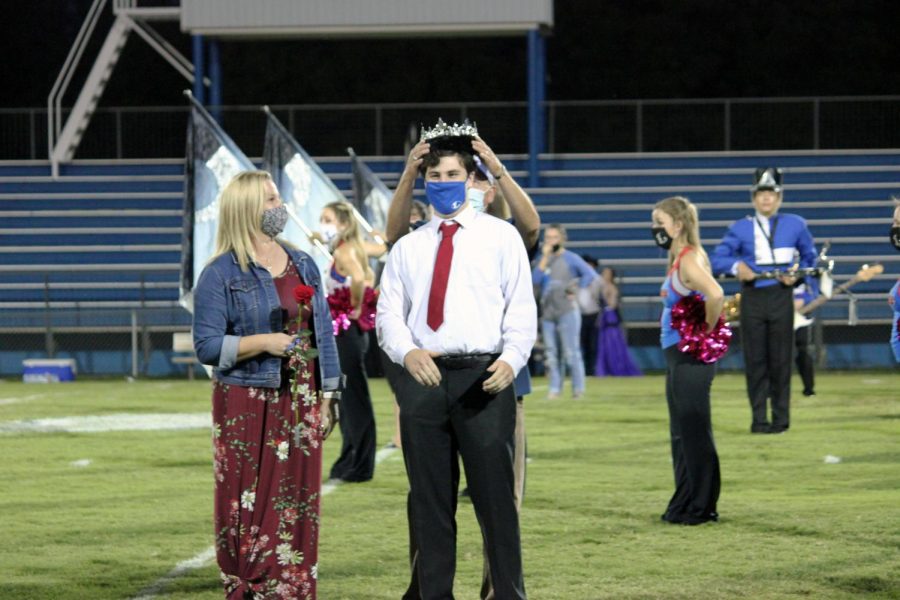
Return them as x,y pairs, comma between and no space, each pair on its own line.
101,71
63,140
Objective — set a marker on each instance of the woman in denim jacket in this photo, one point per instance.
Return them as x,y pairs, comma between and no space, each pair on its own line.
267,441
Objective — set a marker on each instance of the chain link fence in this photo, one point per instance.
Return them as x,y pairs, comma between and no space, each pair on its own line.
719,124
135,342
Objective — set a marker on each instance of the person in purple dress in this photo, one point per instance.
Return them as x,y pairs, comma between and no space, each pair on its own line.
894,295
613,356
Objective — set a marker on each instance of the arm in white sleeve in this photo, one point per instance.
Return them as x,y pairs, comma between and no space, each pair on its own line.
519,326
394,335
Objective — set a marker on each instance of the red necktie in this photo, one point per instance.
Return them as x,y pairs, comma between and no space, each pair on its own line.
441,275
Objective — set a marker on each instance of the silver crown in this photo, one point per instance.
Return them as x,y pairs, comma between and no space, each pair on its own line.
441,129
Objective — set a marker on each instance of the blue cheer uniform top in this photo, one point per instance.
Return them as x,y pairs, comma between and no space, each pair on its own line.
335,280
895,328
672,290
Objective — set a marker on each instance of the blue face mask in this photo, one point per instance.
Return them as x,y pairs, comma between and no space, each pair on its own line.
445,196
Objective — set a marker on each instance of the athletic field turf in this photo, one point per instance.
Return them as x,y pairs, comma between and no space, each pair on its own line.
94,509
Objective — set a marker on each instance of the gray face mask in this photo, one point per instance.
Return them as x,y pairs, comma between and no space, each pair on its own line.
274,220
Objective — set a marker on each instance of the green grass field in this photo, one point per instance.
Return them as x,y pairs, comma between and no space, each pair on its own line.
599,476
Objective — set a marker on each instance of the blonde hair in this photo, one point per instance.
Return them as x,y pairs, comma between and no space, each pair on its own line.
683,211
241,206
351,235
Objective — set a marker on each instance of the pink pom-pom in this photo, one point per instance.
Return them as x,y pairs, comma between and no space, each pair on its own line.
341,307
367,315
689,319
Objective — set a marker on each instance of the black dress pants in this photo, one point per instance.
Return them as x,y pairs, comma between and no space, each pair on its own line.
804,359
357,418
694,458
437,426
767,334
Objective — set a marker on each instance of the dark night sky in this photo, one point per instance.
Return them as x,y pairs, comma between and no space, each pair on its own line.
597,50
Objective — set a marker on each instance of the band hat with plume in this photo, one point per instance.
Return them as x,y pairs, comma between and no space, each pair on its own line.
767,178
454,137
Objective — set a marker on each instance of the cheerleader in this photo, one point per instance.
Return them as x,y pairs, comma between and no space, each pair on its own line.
351,298
690,360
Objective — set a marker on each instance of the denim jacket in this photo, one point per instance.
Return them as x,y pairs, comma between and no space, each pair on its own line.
230,304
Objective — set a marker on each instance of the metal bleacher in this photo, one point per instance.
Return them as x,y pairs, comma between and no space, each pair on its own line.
107,234
605,202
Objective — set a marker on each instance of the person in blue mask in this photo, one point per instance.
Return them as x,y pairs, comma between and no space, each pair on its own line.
762,242
456,310
501,197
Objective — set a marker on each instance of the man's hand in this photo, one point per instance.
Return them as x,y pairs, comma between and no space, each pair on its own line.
420,365
788,280
547,249
416,155
487,156
501,379
745,273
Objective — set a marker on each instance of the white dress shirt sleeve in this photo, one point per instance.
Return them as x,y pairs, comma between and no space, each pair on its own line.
394,336
519,327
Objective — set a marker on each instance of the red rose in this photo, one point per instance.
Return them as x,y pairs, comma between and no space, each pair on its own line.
303,294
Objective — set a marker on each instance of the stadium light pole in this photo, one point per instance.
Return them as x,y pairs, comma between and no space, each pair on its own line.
215,81
536,93
197,50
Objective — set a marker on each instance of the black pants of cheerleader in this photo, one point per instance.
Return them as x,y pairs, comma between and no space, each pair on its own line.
767,334
357,419
694,458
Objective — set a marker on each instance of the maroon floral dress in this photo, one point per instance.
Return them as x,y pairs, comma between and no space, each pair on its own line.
268,475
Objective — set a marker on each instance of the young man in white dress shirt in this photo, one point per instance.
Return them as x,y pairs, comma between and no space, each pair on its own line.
457,311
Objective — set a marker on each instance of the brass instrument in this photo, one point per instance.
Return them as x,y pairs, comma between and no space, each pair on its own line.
732,308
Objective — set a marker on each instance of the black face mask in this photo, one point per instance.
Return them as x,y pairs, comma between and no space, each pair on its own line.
661,238
895,237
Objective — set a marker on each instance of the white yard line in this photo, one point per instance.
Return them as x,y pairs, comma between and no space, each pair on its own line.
208,555
182,568
103,423
16,400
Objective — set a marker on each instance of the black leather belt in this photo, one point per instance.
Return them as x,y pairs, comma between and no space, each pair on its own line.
465,361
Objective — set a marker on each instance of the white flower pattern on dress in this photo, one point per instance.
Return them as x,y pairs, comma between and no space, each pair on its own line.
248,499
282,450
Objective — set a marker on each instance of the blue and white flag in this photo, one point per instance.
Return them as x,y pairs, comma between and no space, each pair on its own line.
371,196
212,160
304,187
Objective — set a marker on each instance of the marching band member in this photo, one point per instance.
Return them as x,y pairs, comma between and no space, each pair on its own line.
757,243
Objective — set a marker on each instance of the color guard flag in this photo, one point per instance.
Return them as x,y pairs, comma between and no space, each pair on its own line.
304,187
212,160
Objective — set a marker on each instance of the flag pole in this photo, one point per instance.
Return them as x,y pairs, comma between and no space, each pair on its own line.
362,220
293,215
318,245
